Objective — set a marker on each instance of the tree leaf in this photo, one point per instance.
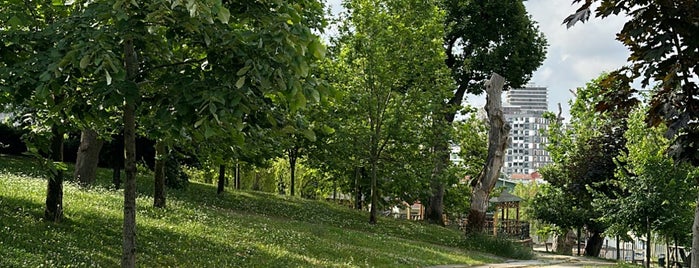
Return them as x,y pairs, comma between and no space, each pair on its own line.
85,61
199,122
240,82
317,49
309,134
109,77
209,132
243,70
315,94
224,15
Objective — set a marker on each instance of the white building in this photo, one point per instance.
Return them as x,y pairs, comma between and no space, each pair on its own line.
523,109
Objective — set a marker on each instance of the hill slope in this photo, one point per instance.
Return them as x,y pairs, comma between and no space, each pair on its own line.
201,229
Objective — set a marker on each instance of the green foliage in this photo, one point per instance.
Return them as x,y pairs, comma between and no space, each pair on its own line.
201,228
472,137
498,245
457,201
175,177
390,76
662,39
584,155
656,193
483,37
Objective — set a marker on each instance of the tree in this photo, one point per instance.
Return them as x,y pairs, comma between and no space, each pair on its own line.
88,157
482,38
656,193
132,48
662,38
584,155
391,51
29,48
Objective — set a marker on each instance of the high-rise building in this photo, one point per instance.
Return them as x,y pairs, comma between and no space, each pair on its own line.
523,110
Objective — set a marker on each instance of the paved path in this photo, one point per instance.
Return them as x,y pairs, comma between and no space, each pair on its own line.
543,260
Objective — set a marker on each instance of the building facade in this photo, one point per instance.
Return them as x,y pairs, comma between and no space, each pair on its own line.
523,109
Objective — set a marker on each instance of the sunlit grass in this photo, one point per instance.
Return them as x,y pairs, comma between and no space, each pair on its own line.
202,229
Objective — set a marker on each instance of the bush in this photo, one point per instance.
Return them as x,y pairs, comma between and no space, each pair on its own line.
499,246
175,177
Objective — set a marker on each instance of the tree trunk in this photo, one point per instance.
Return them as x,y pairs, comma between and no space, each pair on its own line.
116,177
618,252
237,176
159,195
497,143
357,188
594,243
577,240
54,189
374,194
221,178
695,237
88,157
648,241
435,209
564,243
293,154
128,258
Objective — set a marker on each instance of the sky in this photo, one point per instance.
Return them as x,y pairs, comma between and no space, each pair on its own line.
574,56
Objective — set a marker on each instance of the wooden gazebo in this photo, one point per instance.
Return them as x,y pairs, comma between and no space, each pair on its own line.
506,225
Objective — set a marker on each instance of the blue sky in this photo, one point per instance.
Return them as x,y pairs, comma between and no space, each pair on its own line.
575,56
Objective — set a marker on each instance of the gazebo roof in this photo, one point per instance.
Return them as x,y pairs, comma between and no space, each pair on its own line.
505,197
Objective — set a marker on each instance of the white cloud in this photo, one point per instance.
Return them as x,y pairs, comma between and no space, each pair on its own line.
576,55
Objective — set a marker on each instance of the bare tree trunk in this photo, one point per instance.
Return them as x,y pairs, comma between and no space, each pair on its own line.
221,178
159,195
88,157
128,259
497,143
695,237
54,189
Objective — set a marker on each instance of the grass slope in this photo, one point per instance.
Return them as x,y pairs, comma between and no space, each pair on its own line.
201,229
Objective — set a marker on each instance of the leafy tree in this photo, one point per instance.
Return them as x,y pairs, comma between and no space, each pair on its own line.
138,49
31,49
656,194
390,52
584,155
662,38
482,37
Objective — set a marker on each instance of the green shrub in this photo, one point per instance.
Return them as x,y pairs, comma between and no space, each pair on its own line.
175,177
499,246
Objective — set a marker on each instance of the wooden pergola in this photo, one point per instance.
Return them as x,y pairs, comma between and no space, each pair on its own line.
503,204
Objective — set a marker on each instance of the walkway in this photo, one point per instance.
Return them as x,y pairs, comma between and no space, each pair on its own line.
543,260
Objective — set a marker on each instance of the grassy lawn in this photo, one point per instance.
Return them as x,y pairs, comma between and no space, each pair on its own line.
202,229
